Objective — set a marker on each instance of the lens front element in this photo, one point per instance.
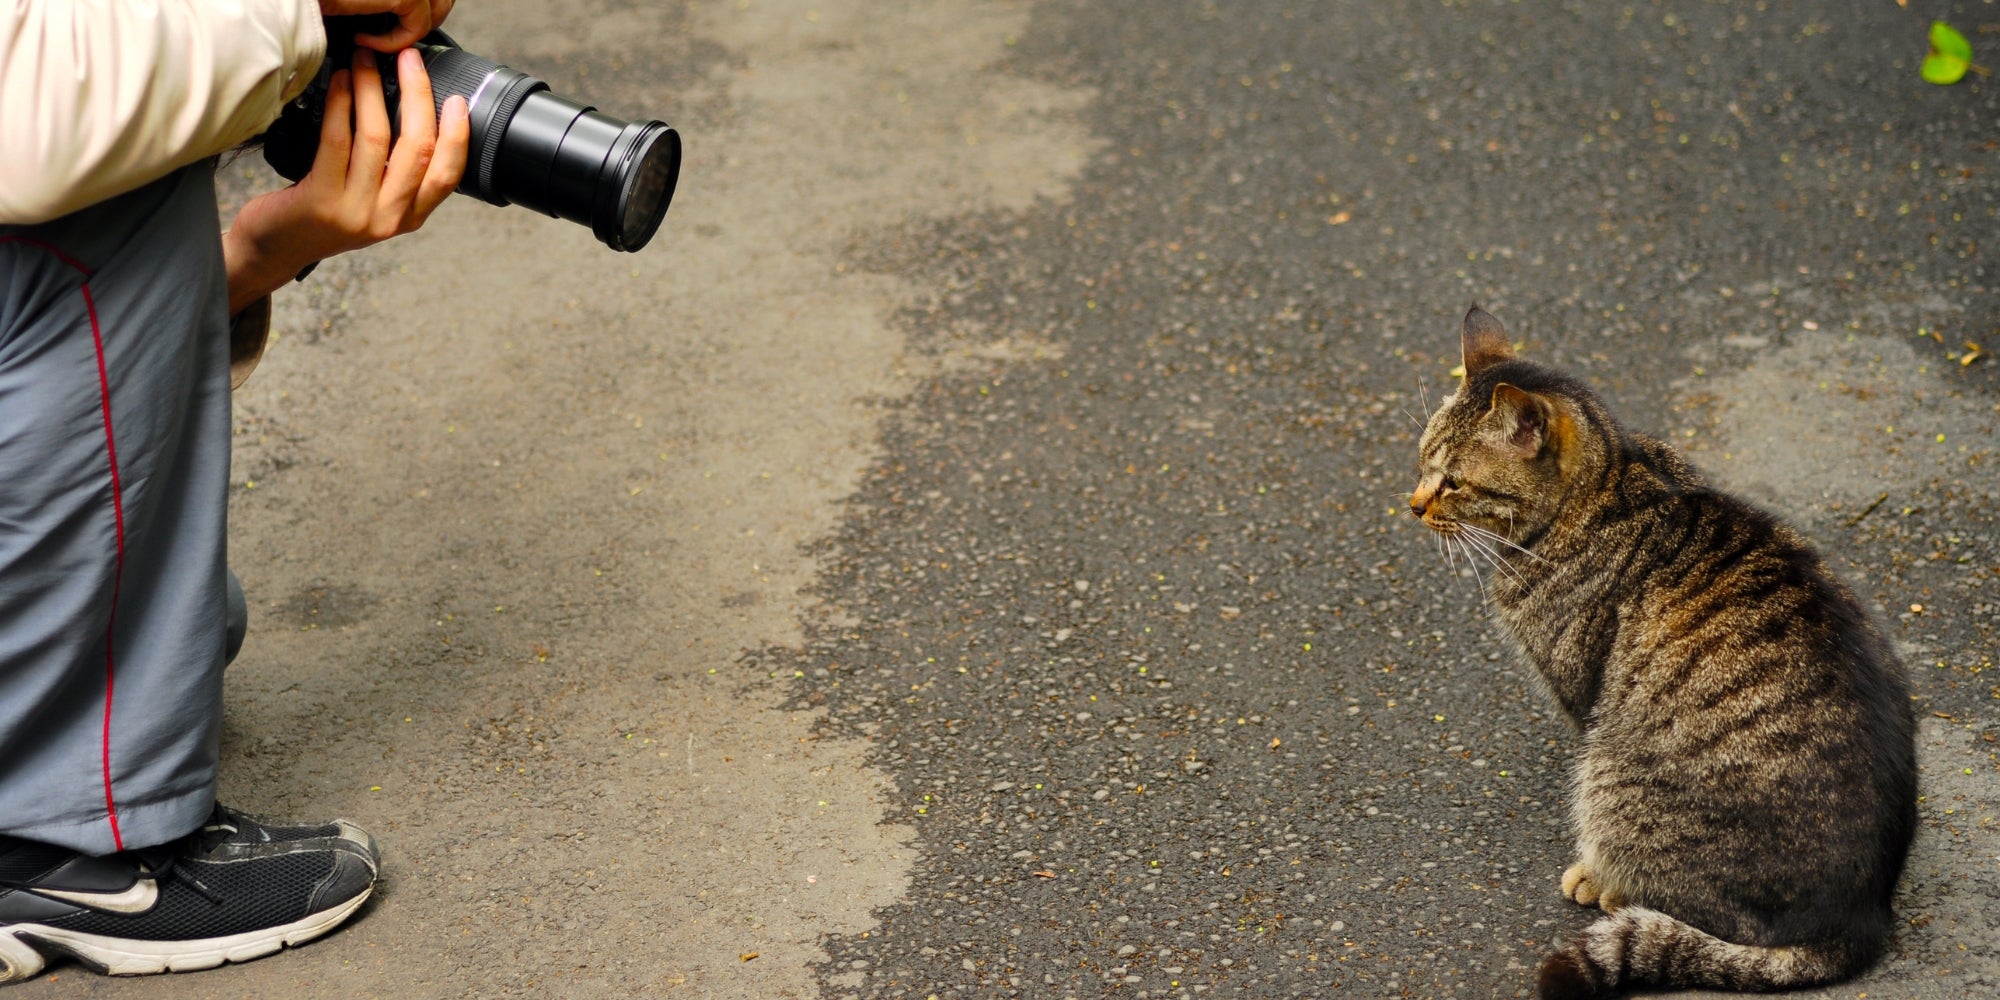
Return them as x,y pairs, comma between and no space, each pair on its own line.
643,167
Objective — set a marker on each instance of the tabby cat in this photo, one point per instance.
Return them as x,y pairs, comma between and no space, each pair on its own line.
1746,789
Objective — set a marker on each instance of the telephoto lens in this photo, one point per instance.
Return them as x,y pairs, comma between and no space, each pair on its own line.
530,146
535,148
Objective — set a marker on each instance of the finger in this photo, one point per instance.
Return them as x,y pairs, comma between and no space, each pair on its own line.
371,127
447,161
439,10
411,156
336,129
414,20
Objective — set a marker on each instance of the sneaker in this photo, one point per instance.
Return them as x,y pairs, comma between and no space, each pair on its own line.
231,891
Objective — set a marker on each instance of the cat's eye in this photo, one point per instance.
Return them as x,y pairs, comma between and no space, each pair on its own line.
1446,484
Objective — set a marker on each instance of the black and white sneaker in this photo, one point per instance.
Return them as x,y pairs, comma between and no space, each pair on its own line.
230,892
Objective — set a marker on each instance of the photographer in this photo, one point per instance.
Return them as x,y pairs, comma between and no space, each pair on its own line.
121,299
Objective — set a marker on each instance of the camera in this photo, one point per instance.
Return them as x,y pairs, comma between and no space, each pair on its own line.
530,146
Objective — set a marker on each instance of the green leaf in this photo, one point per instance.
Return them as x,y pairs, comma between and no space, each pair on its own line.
1946,39
1950,55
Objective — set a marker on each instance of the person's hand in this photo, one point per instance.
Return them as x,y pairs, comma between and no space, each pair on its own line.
414,19
359,190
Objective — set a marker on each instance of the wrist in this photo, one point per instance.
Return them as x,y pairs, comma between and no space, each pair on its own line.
255,269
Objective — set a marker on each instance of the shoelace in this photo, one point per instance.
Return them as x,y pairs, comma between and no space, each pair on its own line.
180,870
208,838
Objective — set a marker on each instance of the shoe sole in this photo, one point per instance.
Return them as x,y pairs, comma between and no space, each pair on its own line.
26,948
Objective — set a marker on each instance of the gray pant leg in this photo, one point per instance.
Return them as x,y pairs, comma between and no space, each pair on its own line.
114,451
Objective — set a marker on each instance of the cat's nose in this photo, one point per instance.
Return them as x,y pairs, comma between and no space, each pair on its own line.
1427,492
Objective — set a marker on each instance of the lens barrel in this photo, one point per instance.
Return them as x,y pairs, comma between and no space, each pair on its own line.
535,148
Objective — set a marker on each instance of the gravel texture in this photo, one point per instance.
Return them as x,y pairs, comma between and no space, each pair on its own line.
961,558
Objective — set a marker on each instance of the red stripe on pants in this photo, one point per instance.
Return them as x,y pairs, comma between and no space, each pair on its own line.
117,517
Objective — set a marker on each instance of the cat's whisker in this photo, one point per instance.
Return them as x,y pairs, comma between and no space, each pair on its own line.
1512,570
1521,550
1469,561
1493,557
1424,397
1474,546
1496,536
1497,563
1412,416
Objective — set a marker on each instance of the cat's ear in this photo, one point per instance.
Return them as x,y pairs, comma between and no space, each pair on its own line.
1520,420
1484,341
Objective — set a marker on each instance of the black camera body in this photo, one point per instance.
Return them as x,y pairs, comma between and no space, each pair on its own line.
530,146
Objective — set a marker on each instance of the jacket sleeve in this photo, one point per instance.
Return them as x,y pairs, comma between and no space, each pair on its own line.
98,97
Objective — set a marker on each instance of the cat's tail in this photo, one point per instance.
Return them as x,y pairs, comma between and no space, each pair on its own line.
1637,947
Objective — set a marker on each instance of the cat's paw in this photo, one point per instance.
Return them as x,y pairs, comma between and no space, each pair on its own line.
1580,885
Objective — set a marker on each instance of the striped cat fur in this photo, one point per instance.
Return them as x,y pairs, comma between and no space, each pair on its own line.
1745,792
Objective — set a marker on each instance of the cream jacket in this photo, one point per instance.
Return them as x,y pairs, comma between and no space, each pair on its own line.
98,97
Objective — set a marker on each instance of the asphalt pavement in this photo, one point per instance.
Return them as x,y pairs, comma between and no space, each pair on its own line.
1174,699
962,557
